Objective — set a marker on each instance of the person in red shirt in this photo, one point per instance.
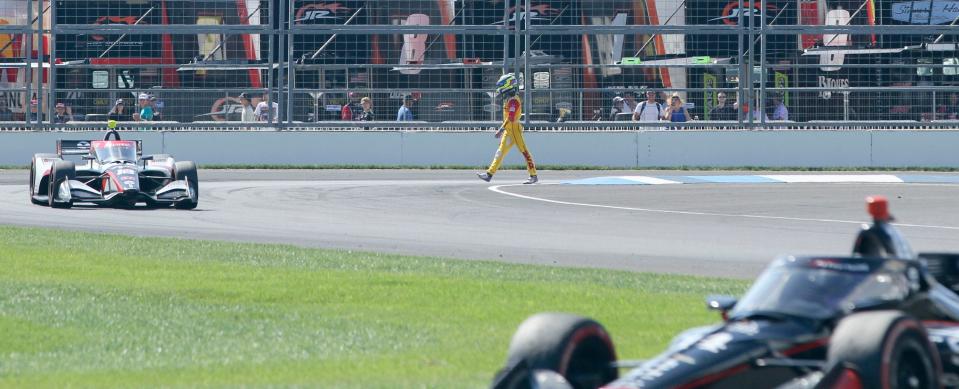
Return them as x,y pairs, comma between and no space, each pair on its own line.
348,112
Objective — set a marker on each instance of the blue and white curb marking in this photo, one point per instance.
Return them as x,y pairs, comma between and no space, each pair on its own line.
769,179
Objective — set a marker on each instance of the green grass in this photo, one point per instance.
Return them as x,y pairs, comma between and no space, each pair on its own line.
98,310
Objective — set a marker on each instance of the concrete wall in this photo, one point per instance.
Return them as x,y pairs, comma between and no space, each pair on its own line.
617,149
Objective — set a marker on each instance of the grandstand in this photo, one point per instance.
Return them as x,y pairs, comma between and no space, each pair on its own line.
830,61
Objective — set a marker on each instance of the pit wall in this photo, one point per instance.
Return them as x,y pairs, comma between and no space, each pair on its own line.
781,148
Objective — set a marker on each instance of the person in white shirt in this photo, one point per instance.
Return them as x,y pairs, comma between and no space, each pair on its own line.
266,109
649,110
247,114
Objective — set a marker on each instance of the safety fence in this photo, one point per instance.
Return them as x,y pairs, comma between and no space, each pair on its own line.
582,65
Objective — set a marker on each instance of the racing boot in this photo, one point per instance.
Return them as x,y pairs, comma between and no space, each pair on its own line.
532,180
485,176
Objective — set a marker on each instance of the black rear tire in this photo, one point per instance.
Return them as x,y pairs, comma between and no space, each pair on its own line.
888,350
59,172
576,347
187,170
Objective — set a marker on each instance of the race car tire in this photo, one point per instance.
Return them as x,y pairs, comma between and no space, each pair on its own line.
59,172
187,170
577,348
887,350
33,176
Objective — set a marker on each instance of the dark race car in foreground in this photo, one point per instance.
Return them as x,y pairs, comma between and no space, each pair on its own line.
883,317
113,172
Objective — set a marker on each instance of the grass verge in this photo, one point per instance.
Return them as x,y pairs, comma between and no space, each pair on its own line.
98,310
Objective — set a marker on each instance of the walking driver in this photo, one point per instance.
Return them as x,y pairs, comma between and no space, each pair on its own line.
506,89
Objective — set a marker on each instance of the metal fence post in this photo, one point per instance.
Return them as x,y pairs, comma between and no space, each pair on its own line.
29,67
53,61
527,76
761,104
271,79
290,72
741,94
516,42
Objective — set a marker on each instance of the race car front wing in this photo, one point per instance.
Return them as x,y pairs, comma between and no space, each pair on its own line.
74,191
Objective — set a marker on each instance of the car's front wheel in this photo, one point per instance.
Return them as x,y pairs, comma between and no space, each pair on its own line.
60,171
886,349
577,348
186,170
33,177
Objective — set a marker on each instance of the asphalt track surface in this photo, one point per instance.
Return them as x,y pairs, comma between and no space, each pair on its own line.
705,229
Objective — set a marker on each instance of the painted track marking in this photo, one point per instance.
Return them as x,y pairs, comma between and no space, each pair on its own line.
497,189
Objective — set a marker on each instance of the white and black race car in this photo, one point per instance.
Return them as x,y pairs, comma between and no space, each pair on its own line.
113,172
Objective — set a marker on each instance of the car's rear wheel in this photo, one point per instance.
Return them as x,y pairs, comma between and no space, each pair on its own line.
60,171
187,171
577,348
887,350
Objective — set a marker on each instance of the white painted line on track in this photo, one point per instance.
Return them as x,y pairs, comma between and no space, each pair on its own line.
497,189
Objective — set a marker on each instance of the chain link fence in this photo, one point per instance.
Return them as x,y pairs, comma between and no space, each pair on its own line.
583,65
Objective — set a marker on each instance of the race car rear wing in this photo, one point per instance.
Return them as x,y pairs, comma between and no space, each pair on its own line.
82,147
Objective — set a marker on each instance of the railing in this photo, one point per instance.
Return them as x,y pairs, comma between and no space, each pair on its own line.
868,67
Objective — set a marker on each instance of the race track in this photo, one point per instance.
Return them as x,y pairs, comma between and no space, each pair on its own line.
707,229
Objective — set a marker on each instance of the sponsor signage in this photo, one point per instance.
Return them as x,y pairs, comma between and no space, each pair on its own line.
103,13
830,82
537,13
732,12
925,12
321,13
226,108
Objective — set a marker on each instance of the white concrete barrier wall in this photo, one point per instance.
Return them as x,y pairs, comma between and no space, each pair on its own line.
876,148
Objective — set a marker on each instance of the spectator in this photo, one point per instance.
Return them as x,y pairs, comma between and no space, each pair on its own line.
367,114
246,115
267,110
157,108
649,110
619,107
677,112
629,101
722,110
949,111
349,110
117,112
779,109
146,109
404,114
34,112
62,114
